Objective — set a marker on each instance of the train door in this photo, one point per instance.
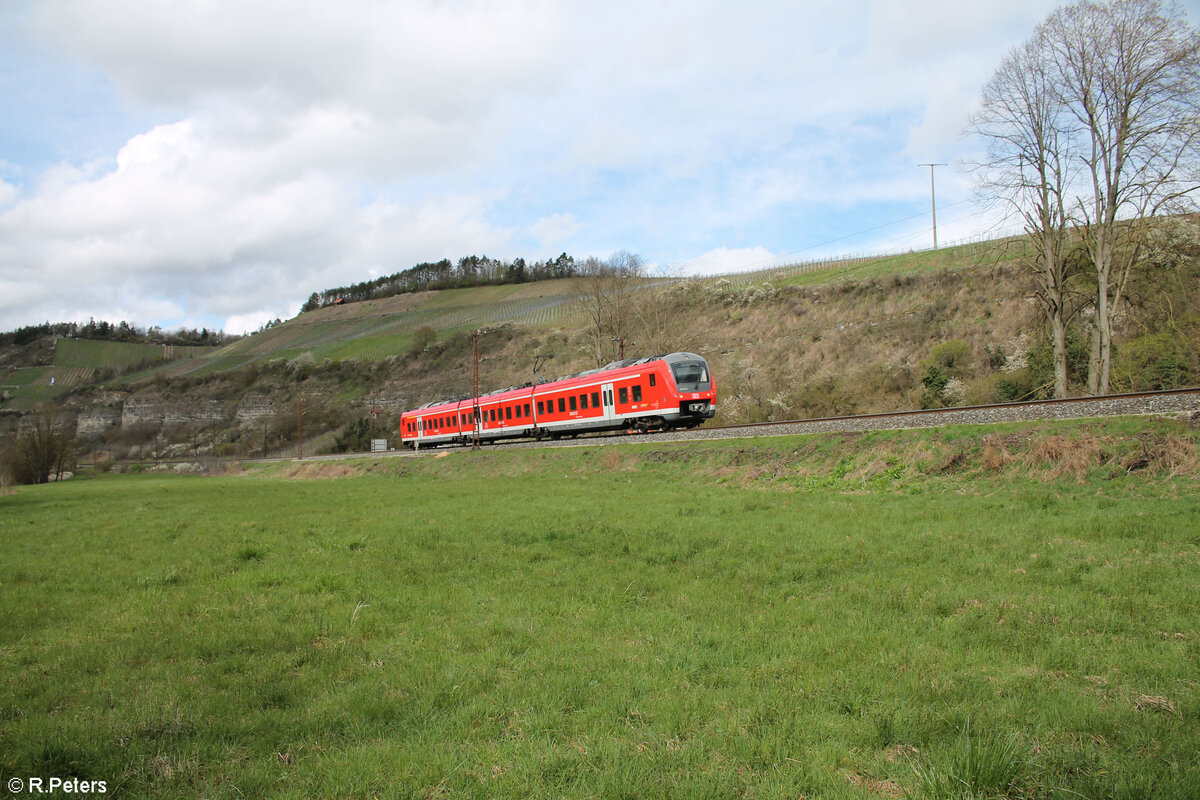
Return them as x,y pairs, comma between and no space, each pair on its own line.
606,398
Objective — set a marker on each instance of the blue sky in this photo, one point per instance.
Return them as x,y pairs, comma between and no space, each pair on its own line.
212,163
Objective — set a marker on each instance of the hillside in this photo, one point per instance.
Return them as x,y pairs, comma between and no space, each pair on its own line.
948,327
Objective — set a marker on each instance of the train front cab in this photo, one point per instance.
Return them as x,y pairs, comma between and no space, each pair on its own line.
694,386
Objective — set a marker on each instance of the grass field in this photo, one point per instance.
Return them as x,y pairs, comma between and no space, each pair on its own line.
99,354
957,613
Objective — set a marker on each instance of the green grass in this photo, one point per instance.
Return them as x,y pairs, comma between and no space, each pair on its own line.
99,354
733,620
27,387
916,263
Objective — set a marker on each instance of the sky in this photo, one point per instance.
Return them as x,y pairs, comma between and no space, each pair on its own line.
211,163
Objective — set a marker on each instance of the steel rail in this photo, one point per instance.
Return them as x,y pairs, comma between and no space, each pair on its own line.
1018,404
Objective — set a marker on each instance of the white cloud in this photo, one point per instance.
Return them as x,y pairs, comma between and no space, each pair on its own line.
301,146
723,260
552,232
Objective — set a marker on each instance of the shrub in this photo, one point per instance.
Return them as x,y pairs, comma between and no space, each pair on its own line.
422,338
1015,385
935,381
354,438
953,357
1156,361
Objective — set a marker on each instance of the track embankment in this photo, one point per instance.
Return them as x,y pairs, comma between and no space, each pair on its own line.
1174,402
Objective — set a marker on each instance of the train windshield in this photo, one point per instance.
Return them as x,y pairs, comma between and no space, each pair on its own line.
690,373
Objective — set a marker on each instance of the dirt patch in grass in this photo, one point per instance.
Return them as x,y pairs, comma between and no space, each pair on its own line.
321,471
884,788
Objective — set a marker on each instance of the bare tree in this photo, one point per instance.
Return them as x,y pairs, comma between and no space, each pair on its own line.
1029,158
596,280
663,317
607,290
1129,74
43,448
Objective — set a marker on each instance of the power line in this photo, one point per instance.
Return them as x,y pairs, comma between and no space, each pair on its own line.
776,257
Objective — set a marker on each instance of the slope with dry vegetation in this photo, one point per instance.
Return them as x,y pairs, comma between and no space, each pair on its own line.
948,327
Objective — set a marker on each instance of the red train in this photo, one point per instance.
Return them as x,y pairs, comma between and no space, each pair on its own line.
656,393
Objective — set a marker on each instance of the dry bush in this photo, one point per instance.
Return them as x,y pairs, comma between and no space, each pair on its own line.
869,470
1063,455
614,460
1174,455
995,455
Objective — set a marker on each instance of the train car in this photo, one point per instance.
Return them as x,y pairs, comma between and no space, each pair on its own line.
643,394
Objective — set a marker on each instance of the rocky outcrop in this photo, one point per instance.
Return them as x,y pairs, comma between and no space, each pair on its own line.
142,411
254,407
198,412
97,420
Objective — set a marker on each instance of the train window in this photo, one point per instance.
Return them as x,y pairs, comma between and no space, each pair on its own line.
562,405
691,372
653,379
527,409
637,393
508,412
595,399
491,415
622,395
574,403
541,408
583,400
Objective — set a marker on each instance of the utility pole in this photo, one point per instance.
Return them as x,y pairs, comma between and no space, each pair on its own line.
475,389
300,429
933,199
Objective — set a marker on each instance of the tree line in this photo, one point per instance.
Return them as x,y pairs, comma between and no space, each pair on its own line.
117,332
467,271
1092,129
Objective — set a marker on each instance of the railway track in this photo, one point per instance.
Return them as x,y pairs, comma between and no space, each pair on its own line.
1172,402
1169,402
